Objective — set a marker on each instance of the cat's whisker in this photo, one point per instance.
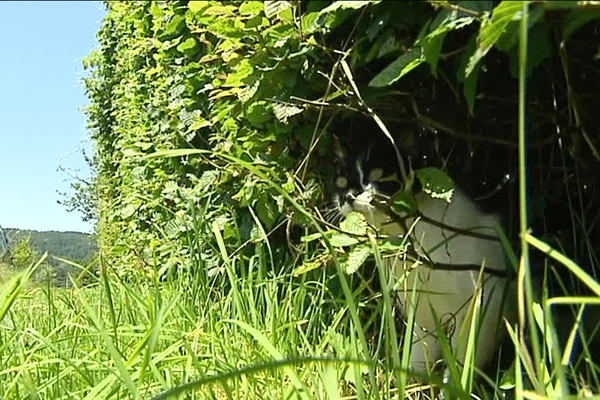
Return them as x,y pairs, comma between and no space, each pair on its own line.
331,213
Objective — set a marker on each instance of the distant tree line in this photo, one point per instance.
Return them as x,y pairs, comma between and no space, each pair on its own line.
27,246
75,246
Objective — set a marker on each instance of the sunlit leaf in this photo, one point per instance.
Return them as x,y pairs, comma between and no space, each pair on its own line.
341,5
341,240
356,258
400,67
313,263
243,69
128,211
198,6
251,7
355,222
491,31
173,28
284,111
272,8
436,183
189,47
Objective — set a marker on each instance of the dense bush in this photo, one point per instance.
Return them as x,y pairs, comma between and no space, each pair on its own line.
254,87
212,121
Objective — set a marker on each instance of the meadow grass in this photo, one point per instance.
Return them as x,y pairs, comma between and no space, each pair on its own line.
255,334
117,339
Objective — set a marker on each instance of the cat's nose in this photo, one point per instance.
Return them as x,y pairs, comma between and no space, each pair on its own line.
349,198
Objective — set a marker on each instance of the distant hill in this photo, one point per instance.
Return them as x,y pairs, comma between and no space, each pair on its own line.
74,246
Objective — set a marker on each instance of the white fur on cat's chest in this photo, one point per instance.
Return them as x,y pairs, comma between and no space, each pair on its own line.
449,292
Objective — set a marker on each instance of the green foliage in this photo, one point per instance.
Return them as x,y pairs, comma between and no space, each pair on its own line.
183,77
83,195
23,253
212,121
436,183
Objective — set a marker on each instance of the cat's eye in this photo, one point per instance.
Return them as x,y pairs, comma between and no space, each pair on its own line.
375,174
341,182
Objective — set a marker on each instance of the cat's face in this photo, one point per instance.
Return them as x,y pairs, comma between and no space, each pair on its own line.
365,172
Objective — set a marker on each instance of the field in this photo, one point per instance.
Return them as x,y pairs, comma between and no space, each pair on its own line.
249,335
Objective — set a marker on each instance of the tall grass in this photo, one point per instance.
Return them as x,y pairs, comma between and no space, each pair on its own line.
221,335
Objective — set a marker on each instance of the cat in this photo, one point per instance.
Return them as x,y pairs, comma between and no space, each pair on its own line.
450,242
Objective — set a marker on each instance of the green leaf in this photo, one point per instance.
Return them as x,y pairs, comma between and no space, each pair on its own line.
436,183
432,42
308,23
344,5
355,222
491,31
312,237
256,22
331,16
207,179
356,258
243,69
470,81
431,51
251,7
502,15
284,111
199,123
273,8
385,44
267,211
173,28
173,228
198,6
393,246
156,11
470,89
270,349
400,67
314,263
246,93
259,112
287,15
189,47
403,203
315,21
510,37
221,10
576,19
341,240
9,293
127,211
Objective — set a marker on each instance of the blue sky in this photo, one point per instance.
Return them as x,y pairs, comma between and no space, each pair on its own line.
41,97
